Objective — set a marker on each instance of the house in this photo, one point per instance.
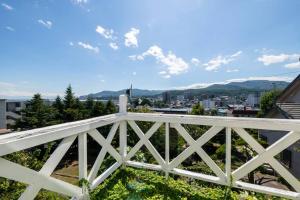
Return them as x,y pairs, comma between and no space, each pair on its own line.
13,111
287,107
239,110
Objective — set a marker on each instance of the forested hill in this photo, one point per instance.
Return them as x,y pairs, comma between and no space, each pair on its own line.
229,88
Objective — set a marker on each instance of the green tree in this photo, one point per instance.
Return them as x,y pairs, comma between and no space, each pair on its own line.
110,107
37,114
213,112
98,109
89,103
268,102
72,107
58,104
69,100
146,101
59,107
197,109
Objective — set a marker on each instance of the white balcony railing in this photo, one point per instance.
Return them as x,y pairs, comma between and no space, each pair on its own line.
70,131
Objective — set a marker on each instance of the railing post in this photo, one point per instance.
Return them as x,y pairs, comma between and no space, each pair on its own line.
167,148
123,127
82,163
82,154
228,156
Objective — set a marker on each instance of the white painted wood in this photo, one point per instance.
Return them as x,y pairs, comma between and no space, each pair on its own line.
123,127
42,179
271,151
104,175
203,177
241,122
102,154
22,174
123,140
26,139
142,141
101,140
147,143
167,148
190,150
203,155
122,103
50,165
267,190
277,166
144,165
82,155
228,156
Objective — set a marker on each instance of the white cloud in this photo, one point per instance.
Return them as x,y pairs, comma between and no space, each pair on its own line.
263,50
131,38
9,28
237,54
71,43
47,24
106,33
133,73
269,78
114,46
10,90
88,46
293,65
215,63
136,57
154,51
195,61
102,80
80,1
273,59
6,6
162,72
232,70
175,65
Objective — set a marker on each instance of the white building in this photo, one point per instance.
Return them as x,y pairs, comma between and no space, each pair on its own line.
180,97
253,100
208,104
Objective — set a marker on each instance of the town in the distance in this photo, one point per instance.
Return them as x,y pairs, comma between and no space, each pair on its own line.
237,99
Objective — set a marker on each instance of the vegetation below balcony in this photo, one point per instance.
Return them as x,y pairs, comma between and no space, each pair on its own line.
137,184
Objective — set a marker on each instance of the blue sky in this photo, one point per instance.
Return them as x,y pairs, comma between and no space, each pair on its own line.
107,45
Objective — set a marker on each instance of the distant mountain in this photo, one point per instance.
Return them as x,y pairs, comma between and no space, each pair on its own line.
226,89
251,85
112,94
261,85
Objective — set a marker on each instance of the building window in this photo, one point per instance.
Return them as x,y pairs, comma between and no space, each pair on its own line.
286,158
263,138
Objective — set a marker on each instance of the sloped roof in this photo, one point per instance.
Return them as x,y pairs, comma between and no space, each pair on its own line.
284,106
289,91
291,110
